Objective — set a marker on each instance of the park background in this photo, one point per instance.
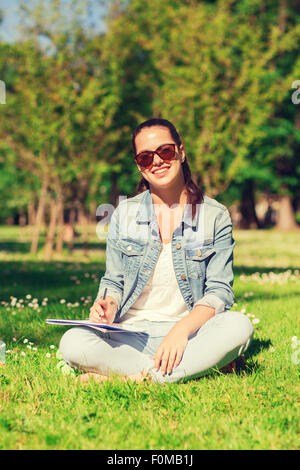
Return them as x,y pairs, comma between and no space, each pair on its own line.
79,77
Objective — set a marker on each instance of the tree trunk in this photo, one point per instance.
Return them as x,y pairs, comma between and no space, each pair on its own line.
114,192
83,220
31,212
285,217
282,15
39,218
60,231
249,218
70,230
92,211
72,216
48,248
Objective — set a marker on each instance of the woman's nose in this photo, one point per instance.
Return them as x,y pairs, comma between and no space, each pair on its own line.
157,160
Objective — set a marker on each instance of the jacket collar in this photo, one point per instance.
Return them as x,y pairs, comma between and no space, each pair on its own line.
146,214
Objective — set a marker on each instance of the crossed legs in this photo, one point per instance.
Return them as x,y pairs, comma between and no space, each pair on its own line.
219,341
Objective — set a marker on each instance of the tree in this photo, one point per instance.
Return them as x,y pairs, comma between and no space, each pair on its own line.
57,128
216,71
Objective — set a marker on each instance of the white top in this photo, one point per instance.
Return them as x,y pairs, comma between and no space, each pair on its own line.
161,299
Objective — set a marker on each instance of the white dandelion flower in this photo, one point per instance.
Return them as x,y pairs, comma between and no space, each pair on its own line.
48,355
25,341
67,370
58,355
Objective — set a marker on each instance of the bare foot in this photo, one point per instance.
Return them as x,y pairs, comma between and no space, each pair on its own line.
84,378
138,377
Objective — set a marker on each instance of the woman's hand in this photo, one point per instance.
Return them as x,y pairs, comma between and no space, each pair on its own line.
170,350
104,311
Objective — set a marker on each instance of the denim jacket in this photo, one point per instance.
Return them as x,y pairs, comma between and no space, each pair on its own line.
202,251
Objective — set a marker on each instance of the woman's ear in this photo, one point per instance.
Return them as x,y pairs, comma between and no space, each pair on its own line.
182,153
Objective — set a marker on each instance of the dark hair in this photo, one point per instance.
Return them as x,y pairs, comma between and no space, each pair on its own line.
194,193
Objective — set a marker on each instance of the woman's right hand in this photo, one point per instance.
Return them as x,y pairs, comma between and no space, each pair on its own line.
104,311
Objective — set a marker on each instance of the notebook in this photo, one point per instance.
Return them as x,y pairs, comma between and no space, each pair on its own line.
98,326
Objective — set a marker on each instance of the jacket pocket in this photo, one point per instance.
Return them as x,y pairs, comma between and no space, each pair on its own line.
132,255
197,260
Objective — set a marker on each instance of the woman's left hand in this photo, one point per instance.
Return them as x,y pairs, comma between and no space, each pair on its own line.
170,350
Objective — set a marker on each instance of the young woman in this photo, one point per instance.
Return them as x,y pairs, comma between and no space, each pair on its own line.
169,259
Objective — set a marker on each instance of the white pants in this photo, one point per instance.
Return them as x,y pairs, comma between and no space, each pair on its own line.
219,341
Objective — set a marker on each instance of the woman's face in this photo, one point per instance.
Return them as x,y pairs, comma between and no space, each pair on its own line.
150,138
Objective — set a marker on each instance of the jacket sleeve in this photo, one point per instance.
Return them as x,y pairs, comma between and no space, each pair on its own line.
218,291
113,278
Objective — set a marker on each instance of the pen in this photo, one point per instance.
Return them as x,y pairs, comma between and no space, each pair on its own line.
104,295
105,290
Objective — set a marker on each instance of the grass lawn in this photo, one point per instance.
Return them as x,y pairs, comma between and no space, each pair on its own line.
41,408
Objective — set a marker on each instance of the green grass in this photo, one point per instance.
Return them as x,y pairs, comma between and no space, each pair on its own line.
40,408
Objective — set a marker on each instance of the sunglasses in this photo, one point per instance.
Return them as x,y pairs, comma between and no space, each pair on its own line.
166,152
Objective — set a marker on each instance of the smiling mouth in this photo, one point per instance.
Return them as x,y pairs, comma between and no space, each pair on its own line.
161,171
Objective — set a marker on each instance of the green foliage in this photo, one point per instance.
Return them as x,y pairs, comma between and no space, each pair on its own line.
221,71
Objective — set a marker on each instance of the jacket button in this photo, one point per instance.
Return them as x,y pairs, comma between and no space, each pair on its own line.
178,246
199,253
183,277
191,302
129,248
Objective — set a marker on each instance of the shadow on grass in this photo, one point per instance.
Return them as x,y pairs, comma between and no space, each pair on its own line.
24,247
54,280
250,366
51,279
